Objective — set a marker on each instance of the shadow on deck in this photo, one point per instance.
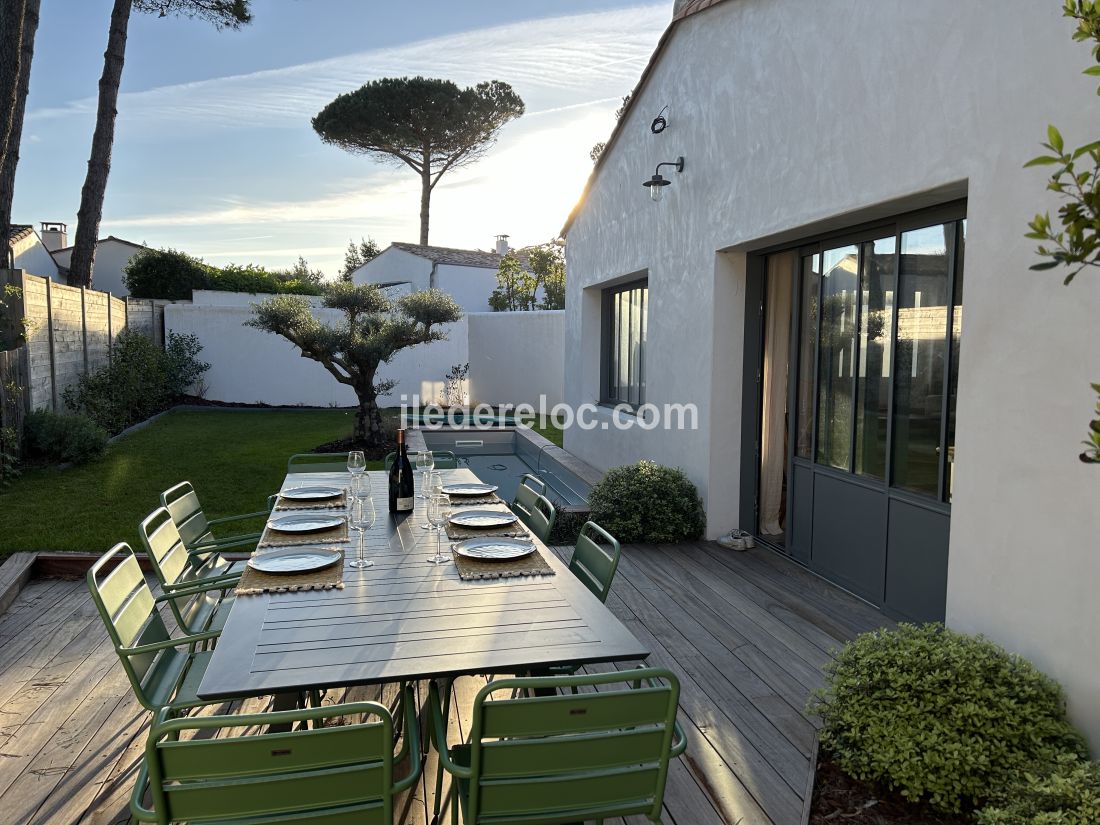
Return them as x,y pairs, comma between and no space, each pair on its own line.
746,634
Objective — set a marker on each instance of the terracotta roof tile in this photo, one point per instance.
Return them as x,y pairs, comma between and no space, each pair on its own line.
455,257
20,231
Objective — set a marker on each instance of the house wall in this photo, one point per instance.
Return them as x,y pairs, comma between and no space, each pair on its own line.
111,258
32,257
251,366
516,357
796,117
393,266
470,286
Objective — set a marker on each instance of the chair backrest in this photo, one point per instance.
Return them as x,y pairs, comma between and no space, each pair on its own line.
595,563
530,488
317,463
129,613
172,565
444,460
341,773
182,503
584,756
540,518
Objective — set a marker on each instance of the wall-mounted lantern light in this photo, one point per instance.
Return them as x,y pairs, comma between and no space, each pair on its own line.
658,182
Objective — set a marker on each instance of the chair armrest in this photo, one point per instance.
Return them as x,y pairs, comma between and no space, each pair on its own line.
193,589
411,743
153,647
206,545
680,742
438,732
222,582
242,517
137,797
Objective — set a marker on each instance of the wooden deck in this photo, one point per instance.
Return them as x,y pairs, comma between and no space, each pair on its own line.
746,633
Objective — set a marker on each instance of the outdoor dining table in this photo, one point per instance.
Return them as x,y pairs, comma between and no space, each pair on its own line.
405,619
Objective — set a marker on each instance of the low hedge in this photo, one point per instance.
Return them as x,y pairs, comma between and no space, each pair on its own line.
648,502
941,717
58,438
1069,794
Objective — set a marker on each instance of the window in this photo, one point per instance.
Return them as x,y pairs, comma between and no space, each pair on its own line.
625,310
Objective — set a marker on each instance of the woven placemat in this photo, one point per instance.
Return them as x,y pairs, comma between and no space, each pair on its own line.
335,535
289,504
492,498
531,565
253,582
515,530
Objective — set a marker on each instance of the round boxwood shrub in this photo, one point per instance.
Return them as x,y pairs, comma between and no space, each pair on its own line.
939,716
57,438
1067,795
647,502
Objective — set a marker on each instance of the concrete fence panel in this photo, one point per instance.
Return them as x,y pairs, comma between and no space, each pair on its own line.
516,357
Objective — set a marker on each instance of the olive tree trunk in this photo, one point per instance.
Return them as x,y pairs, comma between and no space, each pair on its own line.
11,156
368,419
99,162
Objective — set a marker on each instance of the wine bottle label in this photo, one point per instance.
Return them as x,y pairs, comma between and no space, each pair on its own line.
405,503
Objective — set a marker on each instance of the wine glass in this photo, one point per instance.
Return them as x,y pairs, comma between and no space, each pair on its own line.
362,519
437,509
435,487
425,461
356,464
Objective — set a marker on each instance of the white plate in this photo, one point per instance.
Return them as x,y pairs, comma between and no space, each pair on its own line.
469,489
494,549
305,523
482,519
294,560
311,493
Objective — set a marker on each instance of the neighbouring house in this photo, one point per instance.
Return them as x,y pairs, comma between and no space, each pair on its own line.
111,256
29,252
468,275
801,282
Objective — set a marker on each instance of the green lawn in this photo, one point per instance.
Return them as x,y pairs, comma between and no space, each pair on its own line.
234,459
548,430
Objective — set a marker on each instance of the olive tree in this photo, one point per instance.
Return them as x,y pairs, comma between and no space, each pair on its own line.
430,125
372,331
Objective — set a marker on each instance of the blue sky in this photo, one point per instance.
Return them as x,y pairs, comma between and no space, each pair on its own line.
214,153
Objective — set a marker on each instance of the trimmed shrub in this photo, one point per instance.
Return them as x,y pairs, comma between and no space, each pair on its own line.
648,502
63,438
140,381
256,279
939,716
166,273
1068,795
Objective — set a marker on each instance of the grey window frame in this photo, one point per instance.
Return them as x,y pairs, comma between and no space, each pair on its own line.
609,342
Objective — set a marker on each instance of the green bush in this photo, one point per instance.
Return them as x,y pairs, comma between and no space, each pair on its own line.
63,438
1067,795
939,716
9,456
256,279
166,273
647,502
140,381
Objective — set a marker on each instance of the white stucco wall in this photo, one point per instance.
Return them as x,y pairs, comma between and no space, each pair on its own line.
796,116
251,366
31,256
470,286
111,258
395,266
515,357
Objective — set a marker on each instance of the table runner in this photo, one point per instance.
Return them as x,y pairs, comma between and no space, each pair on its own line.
515,530
334,535
289,504
462,501
530,565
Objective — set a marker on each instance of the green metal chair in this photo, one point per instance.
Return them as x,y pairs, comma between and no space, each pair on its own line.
593,563
317,463
530,488
195,595
164,672
562,758
540,517
182,503
340,775
444,460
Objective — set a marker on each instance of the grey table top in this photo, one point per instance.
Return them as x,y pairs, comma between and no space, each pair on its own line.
405,619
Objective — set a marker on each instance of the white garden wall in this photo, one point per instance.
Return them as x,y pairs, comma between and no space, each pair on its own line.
517,356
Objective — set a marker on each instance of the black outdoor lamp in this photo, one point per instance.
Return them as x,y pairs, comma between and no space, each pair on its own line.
658,182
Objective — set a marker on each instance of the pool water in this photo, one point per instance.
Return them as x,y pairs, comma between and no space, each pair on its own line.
502,457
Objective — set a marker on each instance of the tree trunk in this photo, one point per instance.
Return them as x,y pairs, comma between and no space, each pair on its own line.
11,30
99,163
425,200
368,419
11,157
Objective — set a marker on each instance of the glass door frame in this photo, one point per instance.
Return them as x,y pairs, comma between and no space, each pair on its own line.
752,407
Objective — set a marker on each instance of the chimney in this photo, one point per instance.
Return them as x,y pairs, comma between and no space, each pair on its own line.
502,245
54,236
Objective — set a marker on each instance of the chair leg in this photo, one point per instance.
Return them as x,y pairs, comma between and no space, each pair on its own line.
442,745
